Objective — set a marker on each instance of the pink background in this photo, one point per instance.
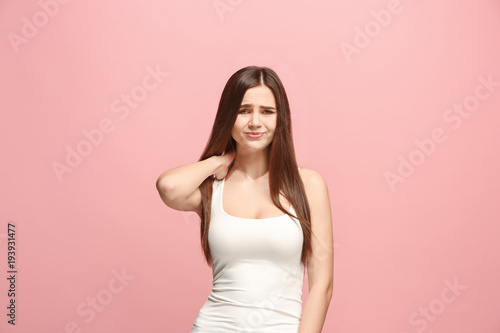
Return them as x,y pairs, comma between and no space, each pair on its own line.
398,248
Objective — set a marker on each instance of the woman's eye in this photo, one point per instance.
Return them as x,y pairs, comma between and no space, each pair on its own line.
265,111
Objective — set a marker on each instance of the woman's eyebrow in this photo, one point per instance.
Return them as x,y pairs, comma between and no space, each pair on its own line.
262,107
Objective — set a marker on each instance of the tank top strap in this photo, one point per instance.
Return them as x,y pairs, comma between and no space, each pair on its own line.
215,193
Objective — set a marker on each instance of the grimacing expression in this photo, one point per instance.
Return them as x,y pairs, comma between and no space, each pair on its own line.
257,114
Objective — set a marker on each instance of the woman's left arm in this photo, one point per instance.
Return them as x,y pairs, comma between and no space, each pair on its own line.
320,262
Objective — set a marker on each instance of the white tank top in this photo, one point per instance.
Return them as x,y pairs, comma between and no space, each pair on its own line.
257,273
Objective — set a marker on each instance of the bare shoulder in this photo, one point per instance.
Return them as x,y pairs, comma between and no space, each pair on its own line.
314,183
317,194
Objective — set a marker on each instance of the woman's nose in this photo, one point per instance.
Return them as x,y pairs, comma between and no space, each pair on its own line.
255,119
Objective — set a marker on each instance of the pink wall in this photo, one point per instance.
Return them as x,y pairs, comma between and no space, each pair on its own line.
376,89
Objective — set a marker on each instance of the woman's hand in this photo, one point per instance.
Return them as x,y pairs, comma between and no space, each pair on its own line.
225,161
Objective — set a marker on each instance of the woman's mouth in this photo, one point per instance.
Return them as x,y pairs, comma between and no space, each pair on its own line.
254,135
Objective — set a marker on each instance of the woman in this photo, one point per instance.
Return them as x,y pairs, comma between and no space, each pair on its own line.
263,219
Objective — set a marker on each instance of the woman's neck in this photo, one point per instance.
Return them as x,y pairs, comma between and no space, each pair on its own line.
250,165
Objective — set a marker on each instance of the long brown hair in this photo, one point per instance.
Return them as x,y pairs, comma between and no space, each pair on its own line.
284,176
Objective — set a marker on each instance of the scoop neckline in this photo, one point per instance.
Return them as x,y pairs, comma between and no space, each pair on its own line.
244,218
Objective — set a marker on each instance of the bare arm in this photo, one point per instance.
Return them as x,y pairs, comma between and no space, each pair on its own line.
179,187
320,263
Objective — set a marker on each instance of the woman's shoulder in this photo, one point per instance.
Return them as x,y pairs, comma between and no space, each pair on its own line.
310,175
314,182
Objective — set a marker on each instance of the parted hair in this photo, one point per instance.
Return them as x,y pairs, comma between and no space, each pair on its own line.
284,176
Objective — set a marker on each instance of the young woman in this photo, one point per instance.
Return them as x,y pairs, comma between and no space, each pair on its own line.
263,219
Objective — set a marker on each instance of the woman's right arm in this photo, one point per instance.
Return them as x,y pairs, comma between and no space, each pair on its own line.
179,187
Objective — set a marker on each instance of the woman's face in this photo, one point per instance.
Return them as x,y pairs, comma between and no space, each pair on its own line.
257,114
